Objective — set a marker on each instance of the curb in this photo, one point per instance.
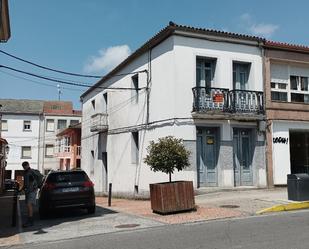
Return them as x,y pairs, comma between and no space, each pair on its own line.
285,207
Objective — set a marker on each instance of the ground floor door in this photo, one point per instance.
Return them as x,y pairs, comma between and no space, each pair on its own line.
207,157
299,151
242,152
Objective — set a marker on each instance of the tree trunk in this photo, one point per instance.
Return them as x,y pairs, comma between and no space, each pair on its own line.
170,176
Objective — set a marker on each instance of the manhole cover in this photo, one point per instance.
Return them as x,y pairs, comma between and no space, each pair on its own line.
127,225
229,206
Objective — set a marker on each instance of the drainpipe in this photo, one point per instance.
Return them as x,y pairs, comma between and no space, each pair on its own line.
39,141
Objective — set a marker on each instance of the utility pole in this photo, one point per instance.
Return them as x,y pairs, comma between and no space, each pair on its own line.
0,119
59,91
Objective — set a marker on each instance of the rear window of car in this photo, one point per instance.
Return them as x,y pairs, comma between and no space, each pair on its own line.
68,177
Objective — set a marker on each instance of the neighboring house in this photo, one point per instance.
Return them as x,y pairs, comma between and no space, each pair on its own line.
201,85
287,99
68,148
58,115
5,31
3,154
30,127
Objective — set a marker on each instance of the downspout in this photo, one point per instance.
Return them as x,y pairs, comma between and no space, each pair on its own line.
266,121
148,72
39,141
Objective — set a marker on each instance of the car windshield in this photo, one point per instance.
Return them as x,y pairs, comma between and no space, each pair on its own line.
68,177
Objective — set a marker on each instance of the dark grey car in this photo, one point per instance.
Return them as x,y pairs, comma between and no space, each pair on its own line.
66,189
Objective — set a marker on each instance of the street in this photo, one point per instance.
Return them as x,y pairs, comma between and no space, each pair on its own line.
284,231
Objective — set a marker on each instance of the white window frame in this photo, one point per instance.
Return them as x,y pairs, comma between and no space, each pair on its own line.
66,123
298,91
6,126
277,89
47,129
49,146
24,124
22,152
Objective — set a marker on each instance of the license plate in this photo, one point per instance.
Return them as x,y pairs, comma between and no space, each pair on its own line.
70,189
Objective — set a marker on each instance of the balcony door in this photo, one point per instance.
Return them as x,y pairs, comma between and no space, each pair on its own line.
207,157
240,75
205,71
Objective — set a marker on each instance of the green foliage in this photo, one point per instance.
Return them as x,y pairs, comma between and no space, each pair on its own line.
167,155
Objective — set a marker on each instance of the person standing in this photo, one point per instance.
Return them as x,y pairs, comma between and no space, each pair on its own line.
30,188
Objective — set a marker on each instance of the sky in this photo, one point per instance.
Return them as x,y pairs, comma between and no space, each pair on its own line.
93,36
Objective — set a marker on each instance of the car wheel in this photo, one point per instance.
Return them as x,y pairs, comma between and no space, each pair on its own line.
91,210
43,212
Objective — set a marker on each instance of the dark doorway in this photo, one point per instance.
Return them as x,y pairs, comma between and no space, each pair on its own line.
299,152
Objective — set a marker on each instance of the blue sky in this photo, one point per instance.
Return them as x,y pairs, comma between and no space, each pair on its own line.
80,36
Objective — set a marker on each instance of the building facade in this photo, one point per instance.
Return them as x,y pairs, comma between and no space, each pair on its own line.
287,109
68,147
200,85
30,128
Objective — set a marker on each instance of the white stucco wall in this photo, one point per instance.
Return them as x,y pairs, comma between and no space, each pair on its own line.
173,69
281,151
17,137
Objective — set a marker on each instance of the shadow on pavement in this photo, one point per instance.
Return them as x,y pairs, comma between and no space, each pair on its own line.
60,216
7,212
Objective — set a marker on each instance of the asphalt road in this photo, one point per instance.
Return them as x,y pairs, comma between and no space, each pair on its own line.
289,230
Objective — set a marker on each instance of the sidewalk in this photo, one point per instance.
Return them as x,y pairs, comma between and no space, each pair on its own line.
136,214
8,233
210,205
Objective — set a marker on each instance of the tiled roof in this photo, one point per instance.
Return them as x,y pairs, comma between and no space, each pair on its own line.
287,46
21,106
161,36
26,106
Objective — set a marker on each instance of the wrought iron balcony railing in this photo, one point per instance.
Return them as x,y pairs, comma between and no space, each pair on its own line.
210,99
230,101
246,101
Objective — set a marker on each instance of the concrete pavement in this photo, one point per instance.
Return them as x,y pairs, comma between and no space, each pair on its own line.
277,231
136,214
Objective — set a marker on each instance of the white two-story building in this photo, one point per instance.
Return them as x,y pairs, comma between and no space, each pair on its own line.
201,85
30,128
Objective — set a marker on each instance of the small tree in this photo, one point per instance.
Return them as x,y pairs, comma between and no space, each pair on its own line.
166,155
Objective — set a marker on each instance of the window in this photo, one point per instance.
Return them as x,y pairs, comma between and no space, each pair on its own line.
49,150
241,75
135,86
62,124
279,92
105,101
74,122
205,72
279,96
93,104
135,147
299,89
4,125
50,125
26,152
27,125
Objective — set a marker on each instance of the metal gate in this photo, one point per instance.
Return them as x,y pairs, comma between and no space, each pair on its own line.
207,154
242,157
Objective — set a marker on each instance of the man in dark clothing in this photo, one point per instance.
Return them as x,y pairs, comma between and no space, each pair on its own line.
30,187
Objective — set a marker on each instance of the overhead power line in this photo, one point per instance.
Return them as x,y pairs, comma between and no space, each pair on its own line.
50,69
72,83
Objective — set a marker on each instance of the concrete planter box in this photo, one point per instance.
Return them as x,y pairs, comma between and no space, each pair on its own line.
171,197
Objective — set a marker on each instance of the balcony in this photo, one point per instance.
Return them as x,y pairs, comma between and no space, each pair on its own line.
99,122
227,102
68,151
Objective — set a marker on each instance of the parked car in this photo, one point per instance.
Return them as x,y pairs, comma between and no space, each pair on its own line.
66,189
10,184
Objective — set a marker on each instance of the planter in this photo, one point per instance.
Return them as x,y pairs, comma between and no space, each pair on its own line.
171,197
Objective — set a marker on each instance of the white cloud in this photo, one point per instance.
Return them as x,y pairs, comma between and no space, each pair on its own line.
107,59
260,29
264,29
